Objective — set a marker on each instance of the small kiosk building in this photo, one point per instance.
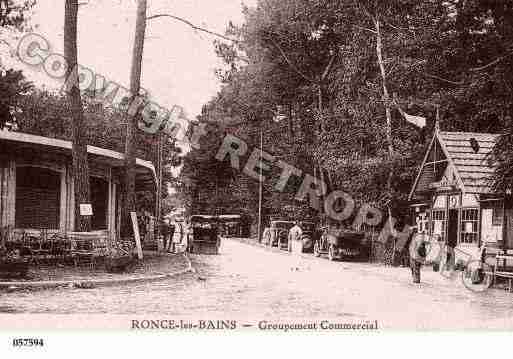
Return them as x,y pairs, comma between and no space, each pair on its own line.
452,195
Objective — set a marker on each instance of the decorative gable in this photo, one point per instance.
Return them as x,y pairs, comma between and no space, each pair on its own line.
455,160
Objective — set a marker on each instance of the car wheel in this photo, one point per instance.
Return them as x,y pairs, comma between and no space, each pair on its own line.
331,252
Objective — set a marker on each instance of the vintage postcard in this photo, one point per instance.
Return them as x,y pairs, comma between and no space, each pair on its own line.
265,166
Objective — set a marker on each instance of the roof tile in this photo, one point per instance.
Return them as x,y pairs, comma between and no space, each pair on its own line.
473,168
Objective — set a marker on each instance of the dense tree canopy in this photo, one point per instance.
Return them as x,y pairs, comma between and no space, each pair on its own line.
14,13
313,67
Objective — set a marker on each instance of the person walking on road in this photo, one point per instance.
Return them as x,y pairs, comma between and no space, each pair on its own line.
295,233
295,244
418,253
164,232
179,238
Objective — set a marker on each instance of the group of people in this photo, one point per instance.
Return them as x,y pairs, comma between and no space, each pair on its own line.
174,235
420,248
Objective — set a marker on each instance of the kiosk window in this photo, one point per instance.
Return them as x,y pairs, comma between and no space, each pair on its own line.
469,224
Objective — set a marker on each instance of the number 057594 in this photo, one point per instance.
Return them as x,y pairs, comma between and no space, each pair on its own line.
27,342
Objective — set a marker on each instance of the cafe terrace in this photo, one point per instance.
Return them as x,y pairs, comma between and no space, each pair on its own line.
36,184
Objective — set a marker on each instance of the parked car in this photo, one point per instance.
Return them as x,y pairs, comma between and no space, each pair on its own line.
342,244
203,235
277,234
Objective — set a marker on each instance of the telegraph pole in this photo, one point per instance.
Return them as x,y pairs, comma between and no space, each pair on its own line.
159,184
259,227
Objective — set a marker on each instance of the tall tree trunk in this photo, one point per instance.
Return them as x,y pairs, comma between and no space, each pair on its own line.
291,123
79,147
130,144
386,100
320,107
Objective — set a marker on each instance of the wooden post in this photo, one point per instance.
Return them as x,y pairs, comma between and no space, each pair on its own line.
504,227
371,254
63,200
386,99
259,227
11,195
137,237
129,199
393,233
3,195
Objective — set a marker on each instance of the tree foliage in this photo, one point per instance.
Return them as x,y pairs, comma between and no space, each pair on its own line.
14,13
315,64
13,86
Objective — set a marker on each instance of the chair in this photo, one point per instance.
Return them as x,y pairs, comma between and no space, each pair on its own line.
502,271
21,242
47,251
40,246
5,236
10,242
83,253
61,248
100,248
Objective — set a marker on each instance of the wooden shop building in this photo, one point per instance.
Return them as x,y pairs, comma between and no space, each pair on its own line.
452,195
36,184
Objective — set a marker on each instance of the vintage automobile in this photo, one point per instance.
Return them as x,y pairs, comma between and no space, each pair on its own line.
230,225
342,244
277,234
203,236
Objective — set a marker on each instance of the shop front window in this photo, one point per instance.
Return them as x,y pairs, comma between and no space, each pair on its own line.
99,201
422,221
469,224
38,193
438,223
497,214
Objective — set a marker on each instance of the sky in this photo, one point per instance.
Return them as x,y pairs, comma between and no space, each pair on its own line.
178,64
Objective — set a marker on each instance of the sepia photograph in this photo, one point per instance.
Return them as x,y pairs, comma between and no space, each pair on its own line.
255,166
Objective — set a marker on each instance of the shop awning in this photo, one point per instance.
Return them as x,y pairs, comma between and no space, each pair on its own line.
145,171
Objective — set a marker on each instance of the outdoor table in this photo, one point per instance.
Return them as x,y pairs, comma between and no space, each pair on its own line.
86,248
58,247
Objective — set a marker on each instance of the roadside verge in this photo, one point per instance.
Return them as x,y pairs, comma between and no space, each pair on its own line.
86,283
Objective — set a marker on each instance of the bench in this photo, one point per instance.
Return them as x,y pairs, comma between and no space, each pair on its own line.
497,272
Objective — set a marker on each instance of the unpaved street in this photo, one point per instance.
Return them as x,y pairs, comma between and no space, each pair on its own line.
252,283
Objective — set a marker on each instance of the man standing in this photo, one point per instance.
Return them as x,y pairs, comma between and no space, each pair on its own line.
295,234
179,237
419,247
164,232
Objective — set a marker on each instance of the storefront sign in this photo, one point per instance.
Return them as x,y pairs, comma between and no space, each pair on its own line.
440,202
86,209
444,184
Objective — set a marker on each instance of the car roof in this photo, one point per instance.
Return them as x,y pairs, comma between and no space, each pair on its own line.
202,217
